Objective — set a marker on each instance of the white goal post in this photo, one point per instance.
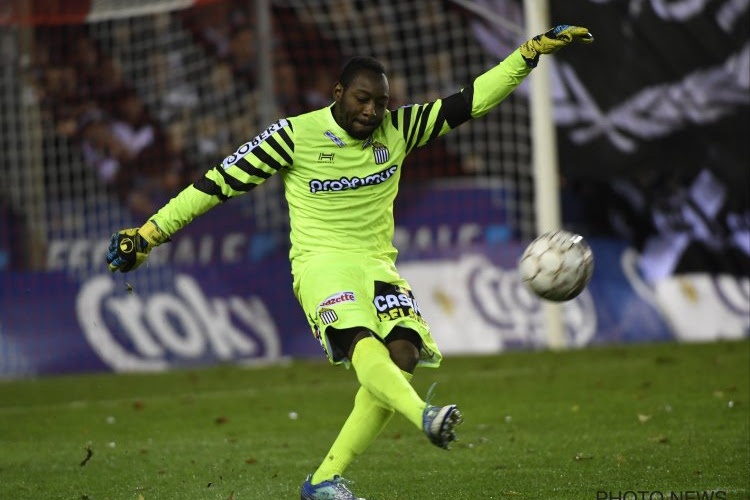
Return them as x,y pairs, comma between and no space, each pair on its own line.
543,140
544,158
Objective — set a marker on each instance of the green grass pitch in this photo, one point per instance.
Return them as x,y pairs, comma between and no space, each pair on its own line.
639,422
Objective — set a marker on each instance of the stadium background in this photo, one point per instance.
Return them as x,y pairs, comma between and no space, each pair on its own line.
106,110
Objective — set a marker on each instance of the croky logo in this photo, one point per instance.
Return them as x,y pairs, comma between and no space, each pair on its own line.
132,332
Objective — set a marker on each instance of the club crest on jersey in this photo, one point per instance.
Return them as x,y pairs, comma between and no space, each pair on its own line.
335,139
381,153
327,316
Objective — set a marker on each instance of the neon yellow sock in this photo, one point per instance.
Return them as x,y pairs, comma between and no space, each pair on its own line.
380,375
366,421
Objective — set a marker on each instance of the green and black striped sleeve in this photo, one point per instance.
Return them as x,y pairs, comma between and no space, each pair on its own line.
421,123
248,167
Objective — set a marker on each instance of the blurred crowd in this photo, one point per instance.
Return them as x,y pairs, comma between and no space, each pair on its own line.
144,142
306,63
84,95
149,120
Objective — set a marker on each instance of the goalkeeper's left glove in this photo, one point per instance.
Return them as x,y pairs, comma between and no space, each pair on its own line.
130,247
552,41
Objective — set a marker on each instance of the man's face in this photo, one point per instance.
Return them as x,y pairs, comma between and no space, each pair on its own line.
360,107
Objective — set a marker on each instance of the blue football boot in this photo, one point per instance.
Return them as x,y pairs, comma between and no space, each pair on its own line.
439,422
335,489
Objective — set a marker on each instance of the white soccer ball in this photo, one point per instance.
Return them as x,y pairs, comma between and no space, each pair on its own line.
557,265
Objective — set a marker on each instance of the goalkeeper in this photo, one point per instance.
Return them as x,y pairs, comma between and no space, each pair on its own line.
340,167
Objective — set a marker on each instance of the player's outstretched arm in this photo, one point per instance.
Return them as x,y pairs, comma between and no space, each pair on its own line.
130,247
492,87
552,41
248,167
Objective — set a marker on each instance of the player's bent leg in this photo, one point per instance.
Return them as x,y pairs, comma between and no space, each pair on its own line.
366,421
343,340
380,375
438,422
403,346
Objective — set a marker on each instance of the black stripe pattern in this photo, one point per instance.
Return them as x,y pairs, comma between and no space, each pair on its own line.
423,123
279,148
206,185
457,107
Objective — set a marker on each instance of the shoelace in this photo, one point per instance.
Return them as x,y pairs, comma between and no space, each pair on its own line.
342,481
430,394
338,480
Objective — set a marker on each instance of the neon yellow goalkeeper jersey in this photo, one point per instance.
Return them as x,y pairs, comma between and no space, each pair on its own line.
340,190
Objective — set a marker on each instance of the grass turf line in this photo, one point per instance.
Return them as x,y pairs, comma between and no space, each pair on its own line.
585,424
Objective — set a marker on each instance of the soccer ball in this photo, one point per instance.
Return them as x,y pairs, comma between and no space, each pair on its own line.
557,265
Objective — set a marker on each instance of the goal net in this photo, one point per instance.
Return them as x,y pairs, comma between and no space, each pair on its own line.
107,109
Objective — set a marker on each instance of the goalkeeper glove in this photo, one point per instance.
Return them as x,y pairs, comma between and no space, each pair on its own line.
130,247
552,41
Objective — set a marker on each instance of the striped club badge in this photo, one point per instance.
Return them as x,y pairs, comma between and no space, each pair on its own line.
327,316
381,153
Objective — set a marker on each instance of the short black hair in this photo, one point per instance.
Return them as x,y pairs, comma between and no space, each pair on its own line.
358,64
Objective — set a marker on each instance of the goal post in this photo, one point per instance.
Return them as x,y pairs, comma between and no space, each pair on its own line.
544,158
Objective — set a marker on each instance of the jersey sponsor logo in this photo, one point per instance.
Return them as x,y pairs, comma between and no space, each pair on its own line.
337,298
335,139
395,302
381,153
255,142
325,158
327,316
345,183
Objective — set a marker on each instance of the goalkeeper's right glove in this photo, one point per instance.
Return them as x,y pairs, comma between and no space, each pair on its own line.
552,41
130,247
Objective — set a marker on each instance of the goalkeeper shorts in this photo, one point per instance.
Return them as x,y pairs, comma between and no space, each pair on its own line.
346,291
